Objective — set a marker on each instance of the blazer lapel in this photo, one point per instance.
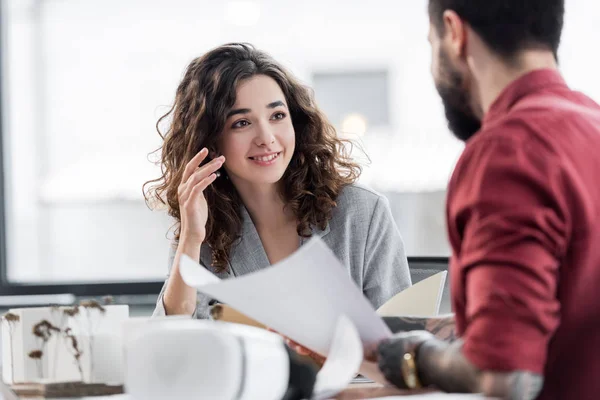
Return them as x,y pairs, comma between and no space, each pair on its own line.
249,254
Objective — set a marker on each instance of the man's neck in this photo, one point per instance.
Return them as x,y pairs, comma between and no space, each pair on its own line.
494,75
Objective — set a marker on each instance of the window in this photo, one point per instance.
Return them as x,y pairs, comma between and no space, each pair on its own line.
354,99
83,83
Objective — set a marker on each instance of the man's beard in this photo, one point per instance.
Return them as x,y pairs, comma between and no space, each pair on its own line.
455,97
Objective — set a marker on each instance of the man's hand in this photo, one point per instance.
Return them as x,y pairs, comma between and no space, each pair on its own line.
442,364
390,352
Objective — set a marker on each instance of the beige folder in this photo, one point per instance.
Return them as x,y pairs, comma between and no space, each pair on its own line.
421,299
223,312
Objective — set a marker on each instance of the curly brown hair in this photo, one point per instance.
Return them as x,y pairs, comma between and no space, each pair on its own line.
320,166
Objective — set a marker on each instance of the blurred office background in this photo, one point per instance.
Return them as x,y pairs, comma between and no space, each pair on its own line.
84,82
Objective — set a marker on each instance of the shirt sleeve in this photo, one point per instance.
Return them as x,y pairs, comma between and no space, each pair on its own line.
385,268
512,219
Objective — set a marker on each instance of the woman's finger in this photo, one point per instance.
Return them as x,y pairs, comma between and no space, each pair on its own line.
206,169
200,186
193,164
370,353
298,348
319,359
200,174
303,351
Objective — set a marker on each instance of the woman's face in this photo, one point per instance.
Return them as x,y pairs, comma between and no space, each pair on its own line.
258,140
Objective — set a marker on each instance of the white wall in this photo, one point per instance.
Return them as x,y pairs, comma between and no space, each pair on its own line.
87,81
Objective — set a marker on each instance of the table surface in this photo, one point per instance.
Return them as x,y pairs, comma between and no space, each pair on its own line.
354,392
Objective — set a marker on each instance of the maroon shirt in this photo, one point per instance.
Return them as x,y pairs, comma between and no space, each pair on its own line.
524,223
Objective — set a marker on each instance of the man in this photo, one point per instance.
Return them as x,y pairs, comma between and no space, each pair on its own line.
523,212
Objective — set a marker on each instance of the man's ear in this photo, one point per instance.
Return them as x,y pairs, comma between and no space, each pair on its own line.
455,33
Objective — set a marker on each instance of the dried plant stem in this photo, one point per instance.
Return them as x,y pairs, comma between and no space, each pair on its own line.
40,368
76,350
58,341
11,319
11,327
44,331
88,306
37,356
90,342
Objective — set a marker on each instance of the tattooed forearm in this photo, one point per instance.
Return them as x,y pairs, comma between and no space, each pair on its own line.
516,385
443,327
443,365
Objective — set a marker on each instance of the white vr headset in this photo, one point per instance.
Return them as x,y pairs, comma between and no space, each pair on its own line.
192,359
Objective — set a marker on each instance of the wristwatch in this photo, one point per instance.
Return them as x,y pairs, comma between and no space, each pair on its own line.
409,371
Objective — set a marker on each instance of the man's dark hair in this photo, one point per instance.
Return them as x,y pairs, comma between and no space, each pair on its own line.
507,26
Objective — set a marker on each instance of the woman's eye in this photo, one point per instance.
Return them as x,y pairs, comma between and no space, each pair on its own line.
240,124
278,115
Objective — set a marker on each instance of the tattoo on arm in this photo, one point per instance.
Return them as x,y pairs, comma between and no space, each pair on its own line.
442,364
524,385
443,327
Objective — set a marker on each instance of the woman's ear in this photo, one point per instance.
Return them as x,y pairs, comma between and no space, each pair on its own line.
212,154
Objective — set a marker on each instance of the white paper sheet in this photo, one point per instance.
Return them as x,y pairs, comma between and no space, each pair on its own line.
301,297
194,274
343,361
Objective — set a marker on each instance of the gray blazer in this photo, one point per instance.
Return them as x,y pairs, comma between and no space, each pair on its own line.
362,234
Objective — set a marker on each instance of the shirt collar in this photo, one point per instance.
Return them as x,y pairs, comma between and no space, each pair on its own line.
523,86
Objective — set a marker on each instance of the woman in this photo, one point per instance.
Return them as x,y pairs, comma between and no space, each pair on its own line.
251,168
